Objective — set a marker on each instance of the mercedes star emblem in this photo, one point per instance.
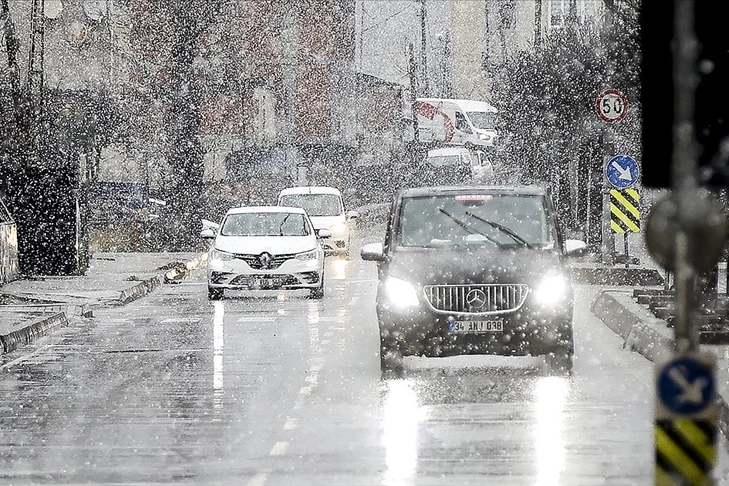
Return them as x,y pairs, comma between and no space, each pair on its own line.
476,298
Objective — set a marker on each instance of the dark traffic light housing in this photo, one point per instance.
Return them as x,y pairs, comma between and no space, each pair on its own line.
712,92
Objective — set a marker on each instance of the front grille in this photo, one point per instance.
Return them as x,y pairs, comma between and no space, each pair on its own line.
476,299
255,262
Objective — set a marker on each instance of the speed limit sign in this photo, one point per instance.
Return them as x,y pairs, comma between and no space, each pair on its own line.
611,105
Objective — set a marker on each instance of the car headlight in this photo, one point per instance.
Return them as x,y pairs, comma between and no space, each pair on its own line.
221,255
400,293
552,289
307,255
339,228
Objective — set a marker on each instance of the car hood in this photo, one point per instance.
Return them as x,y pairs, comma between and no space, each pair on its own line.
254,245
479,265
320,222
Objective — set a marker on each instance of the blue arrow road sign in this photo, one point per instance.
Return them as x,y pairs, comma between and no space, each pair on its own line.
686,386
622,171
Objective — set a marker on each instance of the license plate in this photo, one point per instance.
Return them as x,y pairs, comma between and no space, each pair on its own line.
264,283
477,327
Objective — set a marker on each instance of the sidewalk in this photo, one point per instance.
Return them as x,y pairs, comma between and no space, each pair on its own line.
35,306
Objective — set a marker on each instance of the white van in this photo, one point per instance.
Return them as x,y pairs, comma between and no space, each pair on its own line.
456,121
481,168
325,207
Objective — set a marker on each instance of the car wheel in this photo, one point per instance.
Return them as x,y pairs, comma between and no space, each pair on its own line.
318,293
215,294
391,359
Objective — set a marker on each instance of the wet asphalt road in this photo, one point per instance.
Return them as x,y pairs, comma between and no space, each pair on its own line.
267,389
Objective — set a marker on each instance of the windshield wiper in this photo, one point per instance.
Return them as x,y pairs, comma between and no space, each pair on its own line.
283,221
468,228
508,231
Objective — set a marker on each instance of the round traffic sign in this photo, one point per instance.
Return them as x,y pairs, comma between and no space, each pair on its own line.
622,171
686,386
611,105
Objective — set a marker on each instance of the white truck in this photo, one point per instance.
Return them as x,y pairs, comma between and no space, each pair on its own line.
456,121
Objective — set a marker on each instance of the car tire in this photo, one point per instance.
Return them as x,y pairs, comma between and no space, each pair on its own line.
391,357
318,293
215,294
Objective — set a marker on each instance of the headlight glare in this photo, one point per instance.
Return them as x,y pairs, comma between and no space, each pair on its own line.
400,293
552,289
339,228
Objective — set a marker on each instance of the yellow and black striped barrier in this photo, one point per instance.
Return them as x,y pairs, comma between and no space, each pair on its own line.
625,211
685,429
685,451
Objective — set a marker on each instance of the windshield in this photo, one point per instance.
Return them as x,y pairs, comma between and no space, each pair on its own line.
265,224
474,218
314,204
483,120
443,160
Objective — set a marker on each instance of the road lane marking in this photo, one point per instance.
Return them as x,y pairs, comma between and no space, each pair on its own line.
279,449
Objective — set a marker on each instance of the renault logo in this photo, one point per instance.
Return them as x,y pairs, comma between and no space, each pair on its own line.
476,298
265,260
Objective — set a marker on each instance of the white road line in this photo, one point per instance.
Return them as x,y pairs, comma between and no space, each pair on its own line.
291,423
17,361
258,480
279,449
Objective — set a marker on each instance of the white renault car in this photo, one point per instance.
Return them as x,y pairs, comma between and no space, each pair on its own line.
324,206
265,248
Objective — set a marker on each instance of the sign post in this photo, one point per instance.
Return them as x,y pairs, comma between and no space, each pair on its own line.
685,232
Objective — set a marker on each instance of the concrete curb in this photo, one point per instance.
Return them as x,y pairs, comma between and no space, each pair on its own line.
33,331
643,333
140,290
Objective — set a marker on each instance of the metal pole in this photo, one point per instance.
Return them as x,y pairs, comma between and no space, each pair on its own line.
625,246
684,167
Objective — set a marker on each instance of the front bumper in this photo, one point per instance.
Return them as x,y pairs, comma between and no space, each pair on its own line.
525,332
292,274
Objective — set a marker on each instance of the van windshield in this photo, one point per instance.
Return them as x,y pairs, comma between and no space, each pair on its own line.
483,120
454,220
443,160
314,204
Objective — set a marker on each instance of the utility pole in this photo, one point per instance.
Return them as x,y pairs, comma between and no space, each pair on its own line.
537,24
424,48
12,44
35,76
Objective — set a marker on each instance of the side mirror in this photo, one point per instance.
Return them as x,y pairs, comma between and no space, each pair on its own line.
575,248
352,215
323,233
207,233
373,252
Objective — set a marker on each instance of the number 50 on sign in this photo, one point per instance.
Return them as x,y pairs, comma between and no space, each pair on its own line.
611,105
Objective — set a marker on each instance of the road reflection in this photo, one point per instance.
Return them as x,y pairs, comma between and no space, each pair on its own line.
218,351
401,417
550,395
